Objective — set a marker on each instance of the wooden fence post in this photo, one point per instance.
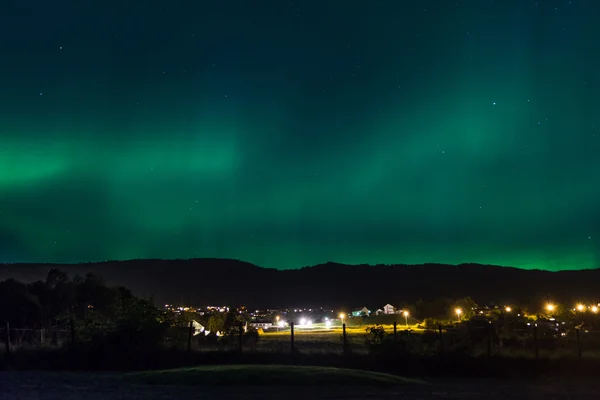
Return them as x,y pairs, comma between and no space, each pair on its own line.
535,342
292,336
344,339
578,343
73,331
395,331
7,337
190,334
441,338
489,339
241,336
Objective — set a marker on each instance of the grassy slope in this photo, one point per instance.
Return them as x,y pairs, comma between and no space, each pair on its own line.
271,375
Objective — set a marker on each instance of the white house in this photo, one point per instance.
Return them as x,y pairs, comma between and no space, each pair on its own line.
198,328
262,325
388,309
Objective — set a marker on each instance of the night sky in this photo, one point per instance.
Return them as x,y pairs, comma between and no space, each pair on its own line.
290,133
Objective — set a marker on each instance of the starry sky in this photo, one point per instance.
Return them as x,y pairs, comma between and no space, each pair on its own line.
290,133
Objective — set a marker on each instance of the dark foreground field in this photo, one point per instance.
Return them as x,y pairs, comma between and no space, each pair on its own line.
277,382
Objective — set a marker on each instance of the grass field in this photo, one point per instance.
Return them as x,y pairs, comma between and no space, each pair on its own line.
320,338
290,383
268,375
317,332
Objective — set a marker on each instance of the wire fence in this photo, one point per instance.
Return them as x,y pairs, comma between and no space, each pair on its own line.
15,338
533,341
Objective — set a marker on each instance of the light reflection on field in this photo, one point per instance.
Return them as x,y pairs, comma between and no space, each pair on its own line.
321,339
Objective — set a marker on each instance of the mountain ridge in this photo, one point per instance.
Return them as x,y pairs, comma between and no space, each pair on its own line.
203,281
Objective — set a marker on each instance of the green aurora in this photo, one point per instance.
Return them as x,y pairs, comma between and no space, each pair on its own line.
290,135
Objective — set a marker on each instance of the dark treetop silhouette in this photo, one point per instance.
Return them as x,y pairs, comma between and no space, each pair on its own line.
233,282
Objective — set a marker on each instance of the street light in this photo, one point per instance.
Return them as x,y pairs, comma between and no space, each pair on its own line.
458,312
550,307
342,318
594,309
580,307
406,317
507,309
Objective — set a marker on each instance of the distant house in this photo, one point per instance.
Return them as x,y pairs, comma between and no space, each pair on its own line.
262,325
361,312
198,328
388,309
379,311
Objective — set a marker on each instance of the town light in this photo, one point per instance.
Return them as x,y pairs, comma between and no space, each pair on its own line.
328,324
580,307
458,312
342,316
405,317
302,321
550,307
594,309
507,309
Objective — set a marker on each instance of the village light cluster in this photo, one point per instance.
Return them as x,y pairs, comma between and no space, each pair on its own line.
283,319
305,323
583,308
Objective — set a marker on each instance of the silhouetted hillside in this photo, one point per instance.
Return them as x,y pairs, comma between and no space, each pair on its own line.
232,282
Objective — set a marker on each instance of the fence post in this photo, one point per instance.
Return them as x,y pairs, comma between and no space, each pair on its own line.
7,338
441,339
241,336
190,334
395,331
292,336
73,332
489,339
344,339
578,343
535,342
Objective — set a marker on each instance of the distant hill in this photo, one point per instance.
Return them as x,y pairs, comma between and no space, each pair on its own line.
233,282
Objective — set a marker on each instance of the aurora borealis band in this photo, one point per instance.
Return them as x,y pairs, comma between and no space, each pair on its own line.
293,133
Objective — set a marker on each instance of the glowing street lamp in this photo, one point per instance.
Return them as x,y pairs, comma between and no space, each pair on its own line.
342,317
594,309
507,309
550,307
405,317
580,307
458,312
